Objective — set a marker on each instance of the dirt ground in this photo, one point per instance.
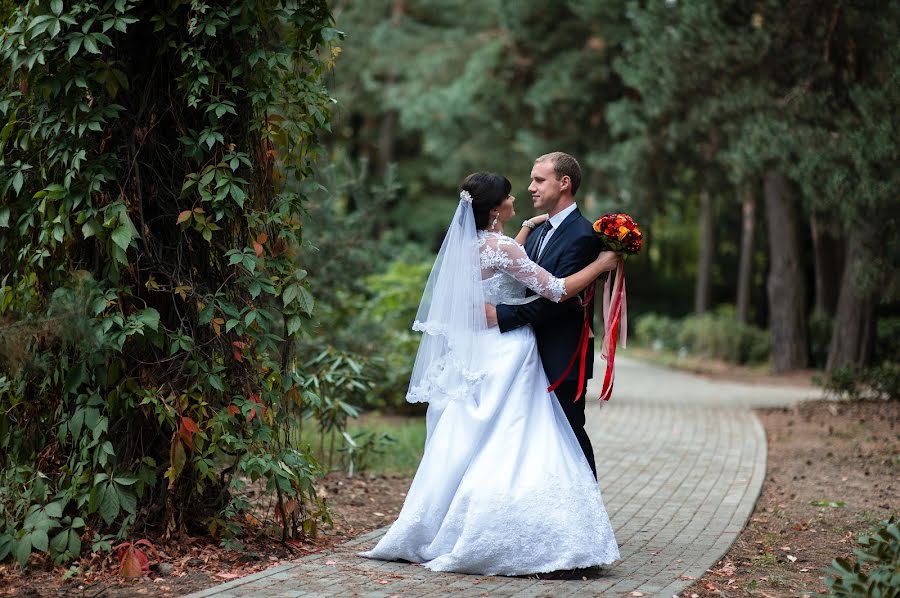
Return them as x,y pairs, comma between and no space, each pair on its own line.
834,470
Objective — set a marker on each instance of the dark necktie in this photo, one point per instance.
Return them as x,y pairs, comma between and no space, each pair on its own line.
544,232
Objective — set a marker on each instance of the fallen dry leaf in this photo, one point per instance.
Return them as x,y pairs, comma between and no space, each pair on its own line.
636,593
792,558
226,575
331,562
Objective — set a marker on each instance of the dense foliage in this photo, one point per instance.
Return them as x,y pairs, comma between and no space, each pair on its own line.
754,142
875,571
156,157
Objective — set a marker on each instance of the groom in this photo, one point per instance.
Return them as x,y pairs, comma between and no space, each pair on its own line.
563,245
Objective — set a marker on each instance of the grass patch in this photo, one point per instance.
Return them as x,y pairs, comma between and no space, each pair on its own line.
383,444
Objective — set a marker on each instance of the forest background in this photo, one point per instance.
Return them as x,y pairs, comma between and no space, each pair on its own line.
236,233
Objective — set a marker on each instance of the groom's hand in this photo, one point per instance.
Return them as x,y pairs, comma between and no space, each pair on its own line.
490,313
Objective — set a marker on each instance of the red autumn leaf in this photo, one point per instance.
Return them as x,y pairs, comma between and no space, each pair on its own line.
258,249
238,354
187,429
134,562
183,216
262,411
261,238
233,410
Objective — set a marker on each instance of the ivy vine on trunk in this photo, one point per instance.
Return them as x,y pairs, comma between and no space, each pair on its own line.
155,161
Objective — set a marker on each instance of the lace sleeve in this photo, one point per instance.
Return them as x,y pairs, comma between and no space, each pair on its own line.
510,257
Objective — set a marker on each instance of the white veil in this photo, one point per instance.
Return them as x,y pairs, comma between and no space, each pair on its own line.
451,316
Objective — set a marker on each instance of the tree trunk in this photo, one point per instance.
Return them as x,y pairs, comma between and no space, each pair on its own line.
703,288
386,138
853,333
745,261
387,134
827,256
786,285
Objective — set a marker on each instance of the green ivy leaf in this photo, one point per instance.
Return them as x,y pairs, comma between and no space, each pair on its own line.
127,500
290,293
109,503
148,317
18,181
60,541
306,300
39,540
23,550
91,228
122,236
54,509
90,45
294,324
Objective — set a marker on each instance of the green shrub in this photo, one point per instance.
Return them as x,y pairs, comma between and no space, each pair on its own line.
887,339
658,331
715,335
876,573
878,382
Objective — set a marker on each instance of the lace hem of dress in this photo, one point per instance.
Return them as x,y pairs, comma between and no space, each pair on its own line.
562,522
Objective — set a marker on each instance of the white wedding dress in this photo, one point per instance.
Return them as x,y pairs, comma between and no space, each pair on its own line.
503,487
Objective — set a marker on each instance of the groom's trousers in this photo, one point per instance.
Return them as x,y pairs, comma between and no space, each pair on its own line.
565,394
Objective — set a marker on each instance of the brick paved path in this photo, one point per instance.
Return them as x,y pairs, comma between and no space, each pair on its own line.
681,462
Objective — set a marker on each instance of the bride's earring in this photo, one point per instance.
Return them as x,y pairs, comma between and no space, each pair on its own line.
494,222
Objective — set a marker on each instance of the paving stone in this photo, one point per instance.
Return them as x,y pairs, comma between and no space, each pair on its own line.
681,461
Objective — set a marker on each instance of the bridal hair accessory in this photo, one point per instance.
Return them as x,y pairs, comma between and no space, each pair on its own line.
617,232
465,196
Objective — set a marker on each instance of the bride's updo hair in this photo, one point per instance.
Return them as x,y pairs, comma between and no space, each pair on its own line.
488,190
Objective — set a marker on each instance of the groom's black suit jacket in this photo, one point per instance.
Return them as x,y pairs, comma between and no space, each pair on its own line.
557,326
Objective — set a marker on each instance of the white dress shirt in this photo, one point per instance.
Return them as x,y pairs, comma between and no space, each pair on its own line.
556,220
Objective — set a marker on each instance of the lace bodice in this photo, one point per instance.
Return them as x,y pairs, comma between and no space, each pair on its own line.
506,271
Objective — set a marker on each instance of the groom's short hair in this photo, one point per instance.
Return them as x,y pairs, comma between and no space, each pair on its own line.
564,165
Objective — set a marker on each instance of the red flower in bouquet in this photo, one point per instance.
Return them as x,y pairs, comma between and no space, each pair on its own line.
619,232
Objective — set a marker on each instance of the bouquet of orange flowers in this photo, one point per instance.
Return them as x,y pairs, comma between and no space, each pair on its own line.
619,232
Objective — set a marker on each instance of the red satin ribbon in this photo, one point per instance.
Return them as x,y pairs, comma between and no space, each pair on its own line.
582,348
615,315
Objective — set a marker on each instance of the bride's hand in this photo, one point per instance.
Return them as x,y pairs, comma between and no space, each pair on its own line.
539,219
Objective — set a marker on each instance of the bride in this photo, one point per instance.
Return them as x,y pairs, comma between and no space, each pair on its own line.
503,487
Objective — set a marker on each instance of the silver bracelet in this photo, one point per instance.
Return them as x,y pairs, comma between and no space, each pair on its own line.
528,224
